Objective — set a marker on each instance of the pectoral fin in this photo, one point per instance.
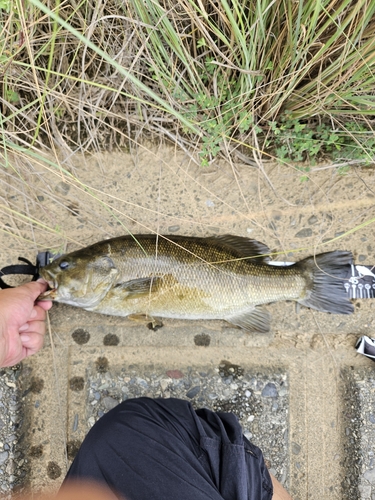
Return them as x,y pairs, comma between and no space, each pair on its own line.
254,320
139,286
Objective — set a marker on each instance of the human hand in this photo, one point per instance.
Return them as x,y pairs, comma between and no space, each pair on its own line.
279,492
22,322
76,491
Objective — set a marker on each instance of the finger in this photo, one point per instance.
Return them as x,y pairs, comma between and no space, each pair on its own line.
44,304
34,327
38,313
32,342
42,280
35,288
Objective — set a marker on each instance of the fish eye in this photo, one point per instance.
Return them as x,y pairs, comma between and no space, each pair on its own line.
64,265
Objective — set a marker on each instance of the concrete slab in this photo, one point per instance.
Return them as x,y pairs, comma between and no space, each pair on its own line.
308,357
298,424
359,433
13,463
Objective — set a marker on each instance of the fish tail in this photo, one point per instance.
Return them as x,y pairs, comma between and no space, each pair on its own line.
325,276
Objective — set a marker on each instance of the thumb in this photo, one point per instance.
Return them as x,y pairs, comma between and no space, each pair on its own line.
35,288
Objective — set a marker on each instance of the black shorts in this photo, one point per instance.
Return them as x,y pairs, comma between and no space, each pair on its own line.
162,449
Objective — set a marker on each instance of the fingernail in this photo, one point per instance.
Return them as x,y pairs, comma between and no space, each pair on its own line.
33,314
24,337
24,327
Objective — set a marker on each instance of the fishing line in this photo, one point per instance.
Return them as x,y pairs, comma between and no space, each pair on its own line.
58,392
157,232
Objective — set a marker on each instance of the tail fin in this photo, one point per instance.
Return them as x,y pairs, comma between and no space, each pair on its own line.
325,275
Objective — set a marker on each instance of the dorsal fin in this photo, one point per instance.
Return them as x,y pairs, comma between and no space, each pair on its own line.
243,247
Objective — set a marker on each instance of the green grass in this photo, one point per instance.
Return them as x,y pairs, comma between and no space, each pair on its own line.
311,140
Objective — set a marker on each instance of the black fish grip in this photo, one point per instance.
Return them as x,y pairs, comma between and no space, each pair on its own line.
43,258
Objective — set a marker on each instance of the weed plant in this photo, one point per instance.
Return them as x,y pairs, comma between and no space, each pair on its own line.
221,77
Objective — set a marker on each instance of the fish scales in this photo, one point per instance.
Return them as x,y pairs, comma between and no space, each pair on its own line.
223,277
208,279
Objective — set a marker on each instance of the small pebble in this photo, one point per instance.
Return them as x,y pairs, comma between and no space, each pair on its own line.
304,233
3,456
91,421
175,374
62,188
109,402
296,448
270,391
142,382
313,220
164,383
193,392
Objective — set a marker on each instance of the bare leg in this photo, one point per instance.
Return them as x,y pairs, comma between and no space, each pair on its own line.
279,492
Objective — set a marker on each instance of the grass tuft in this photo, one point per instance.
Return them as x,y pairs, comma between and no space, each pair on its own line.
225,75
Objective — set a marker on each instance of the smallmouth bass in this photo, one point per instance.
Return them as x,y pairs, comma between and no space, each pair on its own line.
219,277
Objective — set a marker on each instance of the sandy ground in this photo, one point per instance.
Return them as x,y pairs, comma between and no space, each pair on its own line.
161,190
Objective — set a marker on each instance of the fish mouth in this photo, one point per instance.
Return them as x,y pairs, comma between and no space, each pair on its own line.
51,292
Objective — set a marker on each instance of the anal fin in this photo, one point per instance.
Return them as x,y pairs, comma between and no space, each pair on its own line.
253,320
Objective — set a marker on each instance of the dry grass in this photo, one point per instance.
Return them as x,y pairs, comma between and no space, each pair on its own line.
211,76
